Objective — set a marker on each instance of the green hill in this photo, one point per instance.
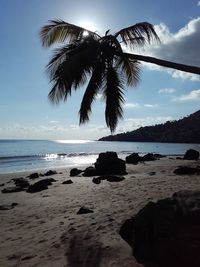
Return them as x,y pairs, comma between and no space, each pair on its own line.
186,130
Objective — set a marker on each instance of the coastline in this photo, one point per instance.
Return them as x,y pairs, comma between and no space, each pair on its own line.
44,229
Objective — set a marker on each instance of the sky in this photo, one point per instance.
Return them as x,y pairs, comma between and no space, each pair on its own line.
162,94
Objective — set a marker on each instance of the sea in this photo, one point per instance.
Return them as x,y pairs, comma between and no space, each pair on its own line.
31,155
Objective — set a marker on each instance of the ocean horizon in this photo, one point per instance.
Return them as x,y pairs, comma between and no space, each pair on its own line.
17,155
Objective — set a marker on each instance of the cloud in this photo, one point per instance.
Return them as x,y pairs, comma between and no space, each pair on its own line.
167,91
131,124
54,122
198,4
132,105
192,96
137,105
150,105
181,47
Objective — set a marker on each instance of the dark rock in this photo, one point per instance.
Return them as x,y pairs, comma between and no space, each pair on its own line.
149,157
2,184
158,156
84,210
68,182
11,189
90,171
166,233
21,182
187,170
179,158
152,173
52,180
14,204
191,154
109,163
40,185
134,158
107,156
114,178
33,175
75,172
96,180
50,172
6,207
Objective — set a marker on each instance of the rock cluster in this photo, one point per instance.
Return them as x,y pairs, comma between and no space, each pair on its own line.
107,163
134,158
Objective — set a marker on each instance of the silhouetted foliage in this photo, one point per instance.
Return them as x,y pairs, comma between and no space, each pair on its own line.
186,130
87,57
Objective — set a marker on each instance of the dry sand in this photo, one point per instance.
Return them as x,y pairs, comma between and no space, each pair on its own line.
45,230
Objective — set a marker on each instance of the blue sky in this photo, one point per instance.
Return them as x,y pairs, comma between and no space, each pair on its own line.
162,94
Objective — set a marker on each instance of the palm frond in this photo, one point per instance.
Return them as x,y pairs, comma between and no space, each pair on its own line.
113,94
70,66
139,33
94,86
130,68
60,91
60,31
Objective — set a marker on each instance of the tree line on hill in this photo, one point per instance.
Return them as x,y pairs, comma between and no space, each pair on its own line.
186,130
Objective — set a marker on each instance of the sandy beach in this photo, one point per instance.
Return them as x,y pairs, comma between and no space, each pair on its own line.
44,229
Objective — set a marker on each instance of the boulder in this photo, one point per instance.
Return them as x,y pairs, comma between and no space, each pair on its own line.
166,233
187,170
2,184
40,185
67,182
191,154
8,207
50,172
96,180
11,189
90,171
158,156
109,163
21,182
149,157
75,172
152,173
134,158
115,178
33,175
84,210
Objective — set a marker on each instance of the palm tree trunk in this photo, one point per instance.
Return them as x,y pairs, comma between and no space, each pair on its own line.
165,63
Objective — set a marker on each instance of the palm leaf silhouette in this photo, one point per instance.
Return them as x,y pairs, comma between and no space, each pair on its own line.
99,62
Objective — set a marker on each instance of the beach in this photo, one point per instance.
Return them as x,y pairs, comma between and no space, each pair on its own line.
44,229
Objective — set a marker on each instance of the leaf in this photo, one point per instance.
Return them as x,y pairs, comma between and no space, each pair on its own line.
61,31
113,94
139,34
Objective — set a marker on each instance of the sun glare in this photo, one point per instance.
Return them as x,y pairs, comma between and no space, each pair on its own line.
88,25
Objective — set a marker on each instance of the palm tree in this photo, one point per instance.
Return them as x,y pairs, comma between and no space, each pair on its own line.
101,62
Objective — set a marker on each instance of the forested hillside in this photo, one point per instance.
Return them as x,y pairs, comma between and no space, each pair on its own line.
186,130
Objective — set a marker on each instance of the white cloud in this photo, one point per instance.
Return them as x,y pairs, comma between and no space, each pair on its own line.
132,105
198,4
150,105
181,47
167,91
192,96
137,105
131,124
54,121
